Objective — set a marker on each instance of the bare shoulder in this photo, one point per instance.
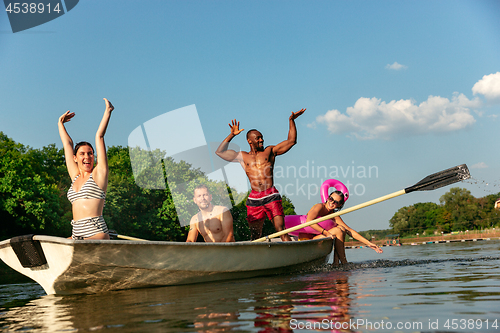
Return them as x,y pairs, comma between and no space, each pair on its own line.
314,211
243,155
194,220
270,148
317,207
220,209
269,151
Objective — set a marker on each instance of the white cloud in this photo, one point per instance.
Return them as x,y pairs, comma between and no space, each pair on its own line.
371,118
396,66
489,87
480,165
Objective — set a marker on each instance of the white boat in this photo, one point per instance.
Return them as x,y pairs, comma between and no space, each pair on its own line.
65,266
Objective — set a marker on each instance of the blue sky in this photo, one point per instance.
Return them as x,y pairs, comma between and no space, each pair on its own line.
407,88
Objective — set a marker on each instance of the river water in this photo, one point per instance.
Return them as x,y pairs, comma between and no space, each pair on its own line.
426,288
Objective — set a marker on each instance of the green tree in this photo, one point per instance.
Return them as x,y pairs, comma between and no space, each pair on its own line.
288,206
422,217
30,190
438,219
130,209
462,207
399,222
488,215
152,203
458,210
240,224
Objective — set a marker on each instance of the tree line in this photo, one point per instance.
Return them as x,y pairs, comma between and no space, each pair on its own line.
458,210
34,183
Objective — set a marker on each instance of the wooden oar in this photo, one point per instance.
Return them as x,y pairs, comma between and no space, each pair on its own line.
431,182
127,237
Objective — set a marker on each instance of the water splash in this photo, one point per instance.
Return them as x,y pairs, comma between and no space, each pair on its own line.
384,263
489,187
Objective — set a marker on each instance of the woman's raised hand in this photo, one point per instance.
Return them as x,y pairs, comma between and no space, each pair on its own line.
109,106
66,117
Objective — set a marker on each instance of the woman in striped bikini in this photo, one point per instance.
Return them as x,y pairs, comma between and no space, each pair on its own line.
89,184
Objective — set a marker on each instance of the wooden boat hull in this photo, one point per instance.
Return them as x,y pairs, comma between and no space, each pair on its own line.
93,266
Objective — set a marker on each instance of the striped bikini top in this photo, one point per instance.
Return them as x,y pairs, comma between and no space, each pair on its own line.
89,190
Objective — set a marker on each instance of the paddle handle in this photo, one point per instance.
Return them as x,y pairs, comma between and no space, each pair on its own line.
129,238
330,216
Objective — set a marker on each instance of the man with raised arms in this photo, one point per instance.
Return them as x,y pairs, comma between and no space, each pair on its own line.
214,223
258,164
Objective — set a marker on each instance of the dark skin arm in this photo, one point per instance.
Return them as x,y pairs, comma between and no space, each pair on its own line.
229,154
285,146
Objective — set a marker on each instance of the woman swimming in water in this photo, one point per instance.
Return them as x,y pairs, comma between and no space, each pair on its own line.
89,184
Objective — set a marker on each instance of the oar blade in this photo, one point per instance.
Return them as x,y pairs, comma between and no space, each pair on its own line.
440,179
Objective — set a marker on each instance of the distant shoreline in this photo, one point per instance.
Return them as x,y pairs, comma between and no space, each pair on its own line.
448,238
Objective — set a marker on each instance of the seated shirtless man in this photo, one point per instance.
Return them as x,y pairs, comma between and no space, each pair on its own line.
214,223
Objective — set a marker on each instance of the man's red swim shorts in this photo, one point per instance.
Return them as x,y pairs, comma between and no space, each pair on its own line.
260,204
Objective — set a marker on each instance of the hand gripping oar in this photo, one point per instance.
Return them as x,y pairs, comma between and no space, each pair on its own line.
432,182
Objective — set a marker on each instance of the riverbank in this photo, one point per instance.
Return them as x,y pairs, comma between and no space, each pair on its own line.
445,238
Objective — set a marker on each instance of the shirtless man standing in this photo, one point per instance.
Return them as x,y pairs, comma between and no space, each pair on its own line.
258,164
214,223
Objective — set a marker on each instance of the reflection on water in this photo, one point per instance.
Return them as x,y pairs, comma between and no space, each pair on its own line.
265,304
321,296
437,283
13,295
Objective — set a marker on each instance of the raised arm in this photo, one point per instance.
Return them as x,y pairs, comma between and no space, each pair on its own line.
67,144
229,154
102,159
354,234
285,146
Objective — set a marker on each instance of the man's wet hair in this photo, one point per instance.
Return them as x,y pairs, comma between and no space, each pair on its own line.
81,144
250,131
199,187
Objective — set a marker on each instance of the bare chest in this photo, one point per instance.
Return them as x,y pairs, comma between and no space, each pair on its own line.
259,160
210,226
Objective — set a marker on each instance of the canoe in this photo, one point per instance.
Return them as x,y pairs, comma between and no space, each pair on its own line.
65,266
